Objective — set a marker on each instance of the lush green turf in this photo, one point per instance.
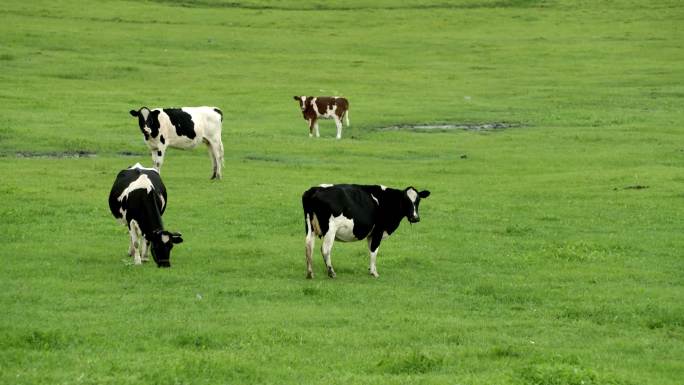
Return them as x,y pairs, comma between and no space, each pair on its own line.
535,263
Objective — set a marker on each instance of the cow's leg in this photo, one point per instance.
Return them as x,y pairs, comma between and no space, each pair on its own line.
310,241
311,127
158,158
326,248
346,117
338,124
373,246
134,232
144,249
131,247
220,157
315,123
213,154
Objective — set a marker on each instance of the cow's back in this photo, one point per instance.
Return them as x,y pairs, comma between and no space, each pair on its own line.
128,176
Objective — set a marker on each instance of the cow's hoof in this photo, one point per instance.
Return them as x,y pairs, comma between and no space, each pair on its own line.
309,275
374,274
331,273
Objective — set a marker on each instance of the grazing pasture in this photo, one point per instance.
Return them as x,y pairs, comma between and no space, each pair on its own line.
549,252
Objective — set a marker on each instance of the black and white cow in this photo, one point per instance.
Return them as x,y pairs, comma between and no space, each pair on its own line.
138,200
182,128
325,107
349,212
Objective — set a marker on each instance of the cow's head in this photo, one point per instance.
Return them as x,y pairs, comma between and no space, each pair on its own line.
162,243
412,200
148,120
302,102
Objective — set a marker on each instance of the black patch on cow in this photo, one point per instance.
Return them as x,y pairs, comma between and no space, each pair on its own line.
159,153
162,140
141,123
219,112
182,121
153,123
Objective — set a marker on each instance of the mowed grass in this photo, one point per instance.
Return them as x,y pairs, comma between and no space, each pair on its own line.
548,253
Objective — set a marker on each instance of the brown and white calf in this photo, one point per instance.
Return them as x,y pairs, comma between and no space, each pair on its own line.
325,107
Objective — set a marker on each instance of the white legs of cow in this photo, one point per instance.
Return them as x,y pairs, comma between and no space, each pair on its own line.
326,248
309,242
216,153
158,158
373,254
334,230
139,246
313,128
338,124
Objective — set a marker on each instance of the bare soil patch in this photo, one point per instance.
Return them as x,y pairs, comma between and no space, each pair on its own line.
439,127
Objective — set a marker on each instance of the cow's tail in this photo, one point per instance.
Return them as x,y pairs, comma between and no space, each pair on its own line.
308,211
218,111
307,200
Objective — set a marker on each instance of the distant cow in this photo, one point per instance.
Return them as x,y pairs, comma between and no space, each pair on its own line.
326,107
349,212
182,128
138,200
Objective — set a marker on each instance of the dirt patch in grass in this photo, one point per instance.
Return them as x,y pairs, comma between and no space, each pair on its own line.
441,127
55,154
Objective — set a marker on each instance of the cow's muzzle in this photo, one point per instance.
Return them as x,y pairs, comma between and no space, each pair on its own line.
165,263
414,219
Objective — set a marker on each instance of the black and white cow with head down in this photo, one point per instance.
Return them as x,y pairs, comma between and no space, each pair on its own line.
138,200
183,128
349,212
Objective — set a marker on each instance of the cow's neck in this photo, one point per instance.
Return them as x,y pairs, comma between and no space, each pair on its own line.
151,220
391,209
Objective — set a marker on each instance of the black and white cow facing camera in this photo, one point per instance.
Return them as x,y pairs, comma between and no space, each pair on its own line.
348,212
182,128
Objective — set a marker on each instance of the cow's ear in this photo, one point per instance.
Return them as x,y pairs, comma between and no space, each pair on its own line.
176,238
134,113
424,194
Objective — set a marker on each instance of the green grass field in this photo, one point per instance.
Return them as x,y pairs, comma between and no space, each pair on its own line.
549,253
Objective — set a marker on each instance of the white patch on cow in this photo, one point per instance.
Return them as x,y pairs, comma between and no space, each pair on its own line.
141,167
375,199
412,194
303,103
343,228
383,187
143,181
330,112
165,238
325,185
163,202
122,220
315,107
385,235
145,113
373,270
